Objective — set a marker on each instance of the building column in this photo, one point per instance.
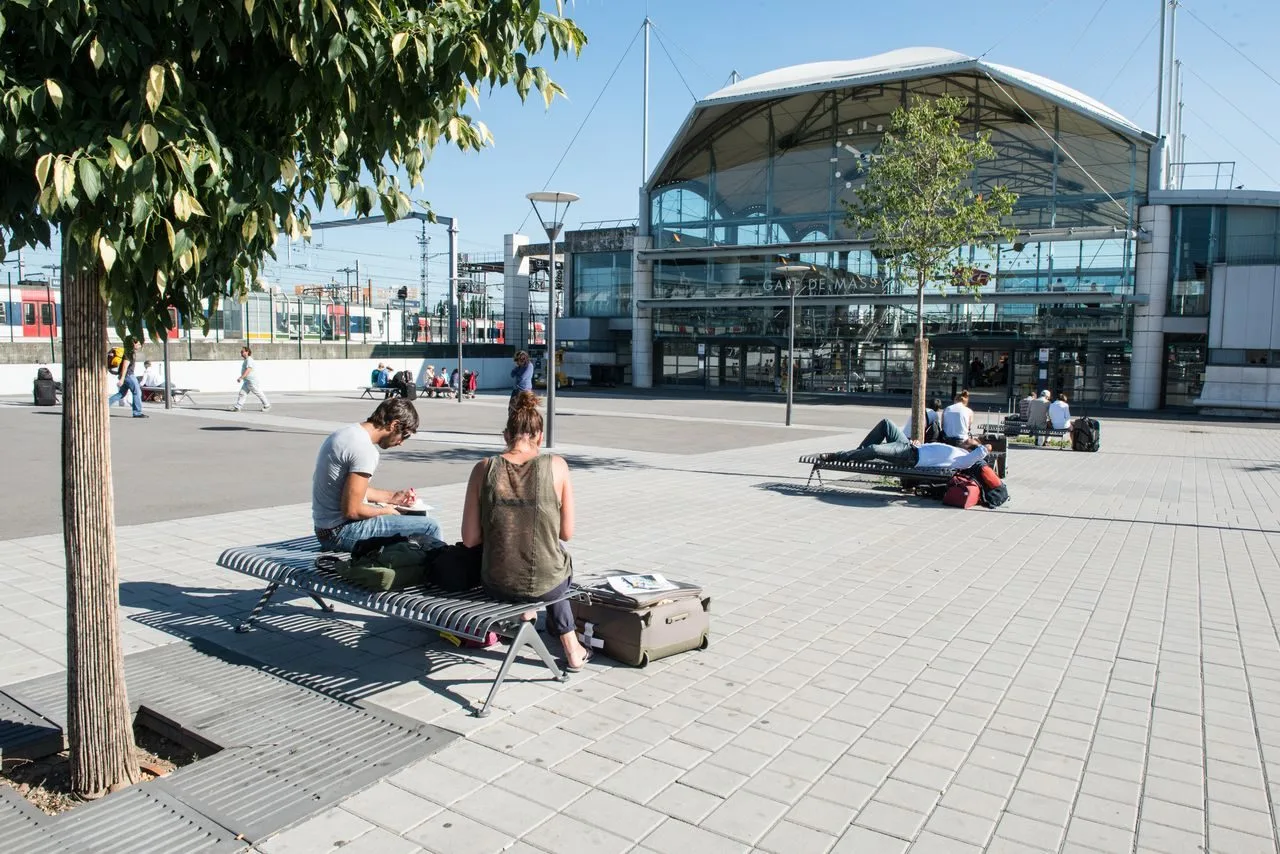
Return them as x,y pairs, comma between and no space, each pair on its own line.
1151,278
515,291
641,318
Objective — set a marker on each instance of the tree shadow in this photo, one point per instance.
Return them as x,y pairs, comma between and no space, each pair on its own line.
472,455
869,494
350,657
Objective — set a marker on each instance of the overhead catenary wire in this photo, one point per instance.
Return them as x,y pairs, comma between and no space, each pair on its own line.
1268,134
585,119
686,53
1137,48
1209,126
1085,31
1223,39
1011,30
663,44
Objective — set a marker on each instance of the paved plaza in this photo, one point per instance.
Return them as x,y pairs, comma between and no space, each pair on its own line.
1093,667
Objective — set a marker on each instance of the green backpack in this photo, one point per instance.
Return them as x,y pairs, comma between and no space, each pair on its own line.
391,567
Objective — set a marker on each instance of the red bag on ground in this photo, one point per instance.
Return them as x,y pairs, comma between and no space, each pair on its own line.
988,478
962,491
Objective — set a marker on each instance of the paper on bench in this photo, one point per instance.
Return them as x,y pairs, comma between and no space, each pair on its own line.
631,585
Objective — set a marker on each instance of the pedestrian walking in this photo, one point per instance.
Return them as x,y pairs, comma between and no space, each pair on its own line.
128,381
521,379
249,382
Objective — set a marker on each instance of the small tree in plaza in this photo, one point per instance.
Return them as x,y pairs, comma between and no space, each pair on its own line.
918,206
170,143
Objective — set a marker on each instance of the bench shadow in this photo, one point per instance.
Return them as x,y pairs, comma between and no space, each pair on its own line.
324,652
866,494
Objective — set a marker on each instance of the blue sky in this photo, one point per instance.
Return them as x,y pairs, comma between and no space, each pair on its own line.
1105,48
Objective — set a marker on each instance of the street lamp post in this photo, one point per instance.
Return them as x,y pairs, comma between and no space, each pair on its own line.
791,273
555,205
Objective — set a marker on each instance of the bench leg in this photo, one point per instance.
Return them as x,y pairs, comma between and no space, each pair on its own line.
526,636
324,606
247,625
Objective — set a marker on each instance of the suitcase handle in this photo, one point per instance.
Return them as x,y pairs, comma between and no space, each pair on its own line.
677,618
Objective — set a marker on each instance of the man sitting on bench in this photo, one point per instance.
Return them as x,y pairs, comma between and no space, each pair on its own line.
342,508
887,443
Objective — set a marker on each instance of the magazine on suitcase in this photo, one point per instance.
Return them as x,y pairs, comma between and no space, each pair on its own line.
636,619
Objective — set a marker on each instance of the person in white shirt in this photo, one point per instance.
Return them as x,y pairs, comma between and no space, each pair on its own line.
1060,413
151,376
957,423
887,443
249,382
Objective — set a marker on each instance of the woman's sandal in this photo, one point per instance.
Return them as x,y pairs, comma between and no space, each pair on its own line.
578,668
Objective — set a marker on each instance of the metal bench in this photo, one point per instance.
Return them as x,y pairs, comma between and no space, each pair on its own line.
471,615
909,476
878,469
1021,427
368,390
179,394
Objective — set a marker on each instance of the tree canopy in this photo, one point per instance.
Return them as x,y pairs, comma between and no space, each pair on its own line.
921,205
920,202
171,141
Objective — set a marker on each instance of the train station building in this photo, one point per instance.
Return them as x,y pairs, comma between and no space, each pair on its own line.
1124,286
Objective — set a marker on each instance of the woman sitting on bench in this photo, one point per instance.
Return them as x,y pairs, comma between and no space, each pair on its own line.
887,443
519,504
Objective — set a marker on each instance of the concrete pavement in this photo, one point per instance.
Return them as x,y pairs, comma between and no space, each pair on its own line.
1092,667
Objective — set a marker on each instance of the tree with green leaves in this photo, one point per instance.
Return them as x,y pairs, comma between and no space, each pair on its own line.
920,208
170,143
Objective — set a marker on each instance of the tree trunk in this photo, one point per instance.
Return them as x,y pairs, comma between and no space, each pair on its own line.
99,728
921,378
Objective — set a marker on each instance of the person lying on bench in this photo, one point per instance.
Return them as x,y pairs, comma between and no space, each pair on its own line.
340,492
887,443
519,505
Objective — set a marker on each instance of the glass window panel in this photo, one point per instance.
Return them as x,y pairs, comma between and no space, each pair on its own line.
1189,264
602,284
1251,236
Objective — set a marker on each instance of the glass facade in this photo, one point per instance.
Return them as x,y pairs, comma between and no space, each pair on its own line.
778,171
602,284
1204,235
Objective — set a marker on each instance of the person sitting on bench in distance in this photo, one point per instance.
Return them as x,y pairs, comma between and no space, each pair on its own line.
1060,415
887,443
341,508
932,421
957,422
519,505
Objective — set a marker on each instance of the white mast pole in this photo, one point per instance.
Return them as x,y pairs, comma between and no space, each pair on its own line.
644,133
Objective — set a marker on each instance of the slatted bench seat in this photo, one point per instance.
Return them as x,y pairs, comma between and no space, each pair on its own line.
471,615
905,473
1020,427
369,390
179,394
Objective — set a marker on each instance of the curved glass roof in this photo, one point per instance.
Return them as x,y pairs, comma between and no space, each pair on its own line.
903,63
774,158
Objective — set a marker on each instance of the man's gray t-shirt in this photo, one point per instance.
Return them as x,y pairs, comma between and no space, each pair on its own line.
346,451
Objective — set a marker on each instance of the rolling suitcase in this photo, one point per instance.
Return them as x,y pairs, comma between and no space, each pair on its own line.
641,627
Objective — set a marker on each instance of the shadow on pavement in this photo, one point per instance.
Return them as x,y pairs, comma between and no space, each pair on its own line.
576,461
869,495
297,642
